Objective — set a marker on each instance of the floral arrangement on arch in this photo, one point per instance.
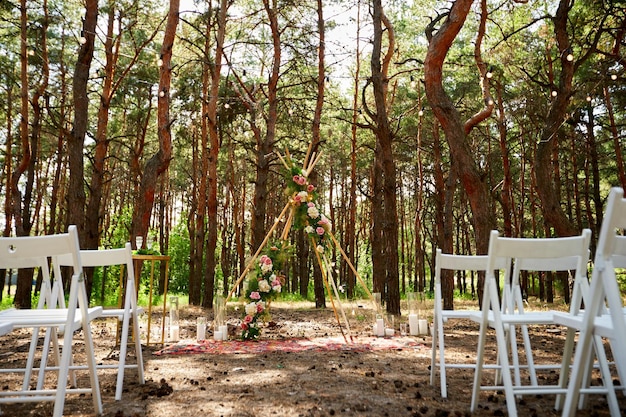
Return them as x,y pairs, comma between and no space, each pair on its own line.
266,282
307,214
262,287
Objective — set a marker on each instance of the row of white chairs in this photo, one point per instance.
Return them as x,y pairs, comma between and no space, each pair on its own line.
60,319
503,312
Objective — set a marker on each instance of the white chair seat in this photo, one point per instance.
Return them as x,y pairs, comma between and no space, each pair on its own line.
53,317
527,318
118,312
458,314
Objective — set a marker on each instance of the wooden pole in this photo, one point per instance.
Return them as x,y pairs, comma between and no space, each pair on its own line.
345,257
334,285
332,302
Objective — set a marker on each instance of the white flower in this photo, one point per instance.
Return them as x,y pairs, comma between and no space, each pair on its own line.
277,288
320,248
303,195
265,268
251,308
309,229
264,286
313,212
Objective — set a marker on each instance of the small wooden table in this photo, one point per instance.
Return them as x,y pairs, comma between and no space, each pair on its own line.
153,259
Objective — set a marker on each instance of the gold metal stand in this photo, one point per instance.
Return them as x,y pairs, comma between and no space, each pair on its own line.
153,259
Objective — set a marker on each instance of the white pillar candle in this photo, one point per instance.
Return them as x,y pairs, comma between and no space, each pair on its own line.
224,331
174,333
217,335
423,326
389,332
380,327
413,325
201,328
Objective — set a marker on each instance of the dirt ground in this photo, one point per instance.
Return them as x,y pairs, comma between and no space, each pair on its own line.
393,382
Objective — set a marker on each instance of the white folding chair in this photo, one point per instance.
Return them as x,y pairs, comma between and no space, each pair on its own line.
77,315
5,328
604,312
122,257
537,252
50,296
513,303
474,263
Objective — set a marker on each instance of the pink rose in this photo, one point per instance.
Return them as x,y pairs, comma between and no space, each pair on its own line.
320,230
244,326
276,283
259,308
310,188
310,204
297,199
265,260
254,295
247,319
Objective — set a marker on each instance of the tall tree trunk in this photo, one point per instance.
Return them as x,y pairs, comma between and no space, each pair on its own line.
547,189
455,131
506,193
201,172
350,239
619,154
53,226
159,162
384,140
376,227
8,167
197,209
75,143
265,145
318,284
420,255
23,292
93,216
214,148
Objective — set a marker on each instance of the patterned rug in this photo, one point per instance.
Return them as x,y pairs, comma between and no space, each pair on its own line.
358,344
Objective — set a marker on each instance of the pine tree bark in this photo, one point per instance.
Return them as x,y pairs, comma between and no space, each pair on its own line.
547,190
23,291
75,143
159,162
214,148
384,146
455,130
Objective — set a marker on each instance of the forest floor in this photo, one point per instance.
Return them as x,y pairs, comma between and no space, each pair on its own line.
373,377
